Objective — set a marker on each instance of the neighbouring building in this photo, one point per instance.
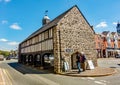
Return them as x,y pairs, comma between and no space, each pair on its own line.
59,39
107,44
99,45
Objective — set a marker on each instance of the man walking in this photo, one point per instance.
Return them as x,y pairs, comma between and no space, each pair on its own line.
78,62
82,60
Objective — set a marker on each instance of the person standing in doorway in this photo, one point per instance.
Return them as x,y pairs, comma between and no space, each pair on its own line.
78,62
82,60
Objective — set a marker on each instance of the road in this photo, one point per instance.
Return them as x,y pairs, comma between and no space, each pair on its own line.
16,74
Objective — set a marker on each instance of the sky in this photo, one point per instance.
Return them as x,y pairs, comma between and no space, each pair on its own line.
20,18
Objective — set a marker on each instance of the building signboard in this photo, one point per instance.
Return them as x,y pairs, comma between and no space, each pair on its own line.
90,64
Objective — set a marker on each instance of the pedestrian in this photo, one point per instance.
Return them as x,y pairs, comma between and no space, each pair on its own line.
82,60
78,62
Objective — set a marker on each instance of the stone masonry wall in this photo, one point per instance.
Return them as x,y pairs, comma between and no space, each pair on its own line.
75,34
56,48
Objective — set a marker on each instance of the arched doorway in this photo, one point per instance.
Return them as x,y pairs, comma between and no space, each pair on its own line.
48,61
37,60
26,59
21,58
30,60
73,60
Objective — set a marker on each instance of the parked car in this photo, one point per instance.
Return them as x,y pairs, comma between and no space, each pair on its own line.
1,57
8,58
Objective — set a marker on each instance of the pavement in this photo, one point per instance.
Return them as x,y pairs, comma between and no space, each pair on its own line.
105,68
97,72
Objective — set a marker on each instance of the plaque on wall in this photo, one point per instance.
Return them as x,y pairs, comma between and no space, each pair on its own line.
66,66
68,50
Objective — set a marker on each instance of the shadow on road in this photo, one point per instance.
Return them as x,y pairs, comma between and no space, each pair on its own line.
27,70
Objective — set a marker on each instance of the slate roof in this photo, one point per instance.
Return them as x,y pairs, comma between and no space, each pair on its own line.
113,33
54,23
105,32
49,25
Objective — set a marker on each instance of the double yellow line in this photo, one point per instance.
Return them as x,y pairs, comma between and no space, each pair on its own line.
2,78
8,77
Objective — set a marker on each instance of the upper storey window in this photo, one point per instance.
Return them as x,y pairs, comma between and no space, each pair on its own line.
50,33
46,34
42,36
108,40
115,41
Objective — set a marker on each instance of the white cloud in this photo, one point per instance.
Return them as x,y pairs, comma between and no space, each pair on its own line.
13,43
7,0
15,26
114,23
4,22
102,25
3,40
4,48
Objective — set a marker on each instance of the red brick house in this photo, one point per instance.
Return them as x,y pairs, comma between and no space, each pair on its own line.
107,43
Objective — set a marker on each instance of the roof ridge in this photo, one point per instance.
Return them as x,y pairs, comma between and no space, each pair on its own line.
54,21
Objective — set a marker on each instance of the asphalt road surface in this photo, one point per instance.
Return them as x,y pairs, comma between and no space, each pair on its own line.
17,74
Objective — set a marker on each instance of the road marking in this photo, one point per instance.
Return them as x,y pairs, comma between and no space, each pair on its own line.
98,82
8,76
3,80
83,78
45,80
105,81
90,78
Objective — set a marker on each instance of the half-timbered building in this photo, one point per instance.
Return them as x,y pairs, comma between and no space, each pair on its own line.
59,40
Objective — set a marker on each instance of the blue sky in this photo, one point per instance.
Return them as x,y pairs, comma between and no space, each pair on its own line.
20,18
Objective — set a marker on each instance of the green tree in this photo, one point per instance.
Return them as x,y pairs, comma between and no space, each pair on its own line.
5,53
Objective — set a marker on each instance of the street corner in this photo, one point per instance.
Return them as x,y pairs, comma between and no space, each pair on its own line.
97,72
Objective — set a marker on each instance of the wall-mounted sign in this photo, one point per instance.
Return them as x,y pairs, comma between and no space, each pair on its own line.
68,50
66,66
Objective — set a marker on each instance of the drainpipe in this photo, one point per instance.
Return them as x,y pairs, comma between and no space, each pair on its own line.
60,51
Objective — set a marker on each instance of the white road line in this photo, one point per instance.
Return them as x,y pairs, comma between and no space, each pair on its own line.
9,78
83,78
105,81
98,82
90,78
47,81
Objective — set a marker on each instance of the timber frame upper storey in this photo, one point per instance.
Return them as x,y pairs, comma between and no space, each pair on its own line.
70,30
